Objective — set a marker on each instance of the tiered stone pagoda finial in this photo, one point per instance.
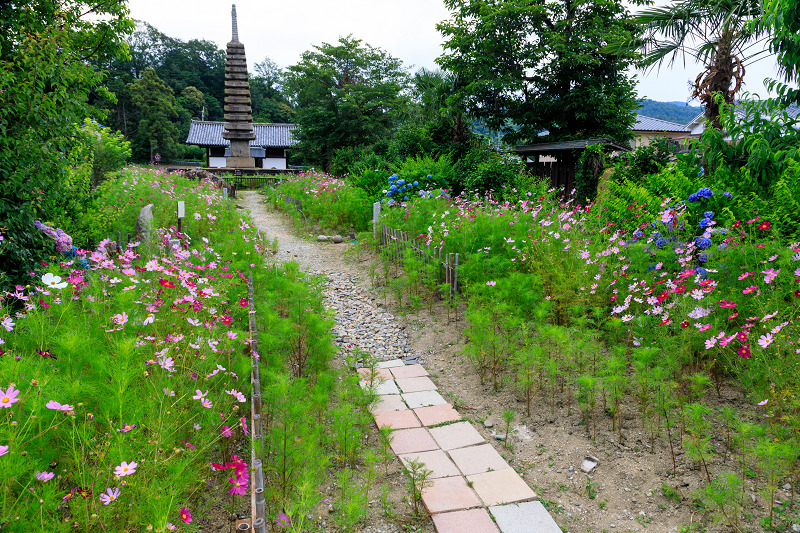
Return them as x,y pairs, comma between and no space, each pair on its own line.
238,111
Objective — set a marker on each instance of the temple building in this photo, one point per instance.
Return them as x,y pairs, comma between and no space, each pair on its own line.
237,142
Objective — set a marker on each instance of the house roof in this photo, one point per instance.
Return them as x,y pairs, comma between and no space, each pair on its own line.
545,148
644,123
698,122
207,133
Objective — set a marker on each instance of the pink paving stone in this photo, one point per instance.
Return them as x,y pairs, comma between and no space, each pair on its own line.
415,384
449,494
412,440
389,402
436,414
501,486
409,371
473,520
478,459
384,373
397,419
436,461
456,435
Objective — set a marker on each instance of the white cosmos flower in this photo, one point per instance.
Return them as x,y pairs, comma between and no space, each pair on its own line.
53,281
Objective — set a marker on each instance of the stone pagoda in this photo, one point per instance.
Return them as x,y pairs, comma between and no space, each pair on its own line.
238,113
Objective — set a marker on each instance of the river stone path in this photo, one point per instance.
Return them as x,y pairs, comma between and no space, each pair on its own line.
473,489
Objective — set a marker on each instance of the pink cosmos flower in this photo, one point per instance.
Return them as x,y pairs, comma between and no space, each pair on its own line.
199,395
125,469
9,397
710,343
205,402
749,289
232,335
745,275
244,426
239,484
44,477
58,407
3,450
149,320
7,323
770,274
226,431
193,321
764,402
236,394
765,340
186,516
491,283
120,319
109,495
283,520
727,304
126,428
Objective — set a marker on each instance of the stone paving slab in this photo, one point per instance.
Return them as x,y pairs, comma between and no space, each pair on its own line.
527,517
436,461
436,414
382,373
384,387
389,402
471,521
412,440
423,399
449,494
478,459
397,419
456,435
415,384
391,363
501,486
409,371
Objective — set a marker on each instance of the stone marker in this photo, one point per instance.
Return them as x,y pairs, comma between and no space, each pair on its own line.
337,239
144,223
322,238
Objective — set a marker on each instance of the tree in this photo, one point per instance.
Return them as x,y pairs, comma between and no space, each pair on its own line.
157,103
45,82
718,33
534,66
346,95
266,94
782,18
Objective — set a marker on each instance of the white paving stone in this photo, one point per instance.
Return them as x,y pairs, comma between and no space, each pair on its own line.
423,399
391,363
526,517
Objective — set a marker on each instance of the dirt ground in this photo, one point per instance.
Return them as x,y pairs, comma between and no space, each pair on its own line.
546,449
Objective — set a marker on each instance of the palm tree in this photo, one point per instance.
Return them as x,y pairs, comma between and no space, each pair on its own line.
723,35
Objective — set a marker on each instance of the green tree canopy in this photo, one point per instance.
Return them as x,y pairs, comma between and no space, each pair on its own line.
346,95
157,104
782,18
266,94
534,66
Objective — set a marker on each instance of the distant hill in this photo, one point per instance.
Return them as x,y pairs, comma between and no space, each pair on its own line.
677,112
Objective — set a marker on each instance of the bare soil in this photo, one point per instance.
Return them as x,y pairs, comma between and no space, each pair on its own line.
623,493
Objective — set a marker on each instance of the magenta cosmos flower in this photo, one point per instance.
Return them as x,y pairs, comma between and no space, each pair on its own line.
109,495
9,397
186,516
125,469
226,431
238,485
283,520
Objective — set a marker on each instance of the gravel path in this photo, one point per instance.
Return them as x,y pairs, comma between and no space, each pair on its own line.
361,321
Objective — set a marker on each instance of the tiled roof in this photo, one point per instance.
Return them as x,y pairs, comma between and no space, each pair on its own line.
206,133
644,123
565,145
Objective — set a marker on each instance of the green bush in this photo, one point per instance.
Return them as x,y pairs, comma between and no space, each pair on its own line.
420,167
110,149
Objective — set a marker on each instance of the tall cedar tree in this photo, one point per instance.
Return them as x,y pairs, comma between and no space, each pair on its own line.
534,66
157,104
346,95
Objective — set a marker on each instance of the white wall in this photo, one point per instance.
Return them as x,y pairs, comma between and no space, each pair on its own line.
274,162
216,162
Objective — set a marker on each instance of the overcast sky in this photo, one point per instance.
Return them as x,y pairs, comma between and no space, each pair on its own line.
406,29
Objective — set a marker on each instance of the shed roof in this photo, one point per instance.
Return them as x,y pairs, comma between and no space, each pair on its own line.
545,148
645,123
268,135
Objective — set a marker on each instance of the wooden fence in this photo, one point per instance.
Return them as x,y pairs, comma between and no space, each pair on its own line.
445,265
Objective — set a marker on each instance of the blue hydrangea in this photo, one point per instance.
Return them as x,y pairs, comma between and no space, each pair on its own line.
709,214
726,193
421,194
405,197
400,182
722,246
700,270
429,176
657,235
416,183
638,233
392,178
390,193
702,242
693,198
705,192
703,258
705,222
393,188
660,243
653,224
